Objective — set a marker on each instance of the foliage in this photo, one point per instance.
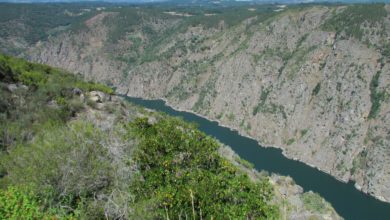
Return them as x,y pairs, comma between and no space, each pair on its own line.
33,78
63,164
376,96
181,174
245,163
263,99
41,20
130,21
22,203
351,19
28,109
314,202
52,167
386,50
316,89
304,132
17,203
230,16
43,76
290,141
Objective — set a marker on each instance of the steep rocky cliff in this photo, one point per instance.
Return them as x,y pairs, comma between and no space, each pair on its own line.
312,80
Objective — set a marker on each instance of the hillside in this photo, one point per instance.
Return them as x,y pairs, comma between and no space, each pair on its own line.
73,150
312,80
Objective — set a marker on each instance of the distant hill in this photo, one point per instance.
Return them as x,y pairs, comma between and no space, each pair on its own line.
202,2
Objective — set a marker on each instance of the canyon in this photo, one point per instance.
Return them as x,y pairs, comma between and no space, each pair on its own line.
312,80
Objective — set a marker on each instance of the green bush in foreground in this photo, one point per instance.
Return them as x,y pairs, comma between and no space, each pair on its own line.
20,203
16,204
181,174
62,165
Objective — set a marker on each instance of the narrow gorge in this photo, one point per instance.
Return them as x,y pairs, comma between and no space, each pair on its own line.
312,80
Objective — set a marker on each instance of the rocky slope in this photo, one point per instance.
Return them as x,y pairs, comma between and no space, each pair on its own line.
77,150
311,80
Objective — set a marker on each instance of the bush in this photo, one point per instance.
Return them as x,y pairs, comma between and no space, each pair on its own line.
62,163
314,202
33,78
376,96
316,89
20,203
181,174
90,86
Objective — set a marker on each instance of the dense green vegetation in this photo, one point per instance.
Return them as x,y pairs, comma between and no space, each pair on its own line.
183,175
42,20
19,117
157,27
54,165
353,17
37,145
19,203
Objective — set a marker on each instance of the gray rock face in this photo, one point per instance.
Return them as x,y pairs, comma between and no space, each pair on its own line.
321,96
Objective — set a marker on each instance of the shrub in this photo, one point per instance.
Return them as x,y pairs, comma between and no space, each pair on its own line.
376,96
33,78
90,86
316,89
20,203
75,105
290,141
314,202
63,163
181,174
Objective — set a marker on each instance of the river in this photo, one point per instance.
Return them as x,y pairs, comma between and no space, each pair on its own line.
349,202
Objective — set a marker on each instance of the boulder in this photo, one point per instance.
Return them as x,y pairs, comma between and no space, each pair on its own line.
77,91
97,96
12,87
